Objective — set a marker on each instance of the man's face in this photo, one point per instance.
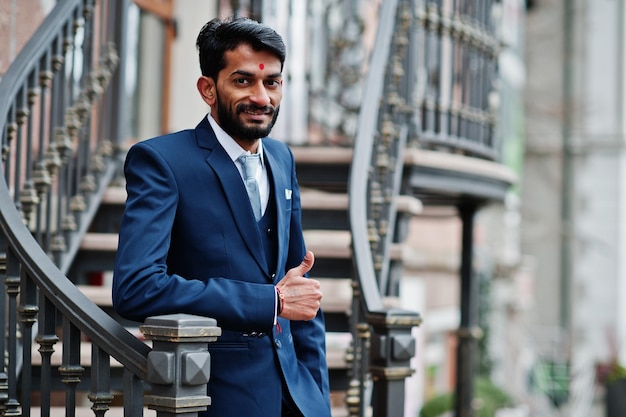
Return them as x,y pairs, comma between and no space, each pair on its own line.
248,94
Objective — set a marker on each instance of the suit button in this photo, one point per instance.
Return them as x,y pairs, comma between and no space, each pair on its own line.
269,232
278,344
273,276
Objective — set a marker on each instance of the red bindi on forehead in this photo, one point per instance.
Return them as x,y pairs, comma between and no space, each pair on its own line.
261,66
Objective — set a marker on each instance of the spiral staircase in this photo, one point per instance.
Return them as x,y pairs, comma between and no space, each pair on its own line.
418,143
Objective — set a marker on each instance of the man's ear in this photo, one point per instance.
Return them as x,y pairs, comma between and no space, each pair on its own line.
206,88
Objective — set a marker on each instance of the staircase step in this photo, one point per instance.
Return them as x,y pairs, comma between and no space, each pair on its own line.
337,294
329,211
323,167
324,210
98,294
337,244
337,345
100,242
114,195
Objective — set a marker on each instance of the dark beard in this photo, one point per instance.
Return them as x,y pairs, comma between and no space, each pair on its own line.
230,124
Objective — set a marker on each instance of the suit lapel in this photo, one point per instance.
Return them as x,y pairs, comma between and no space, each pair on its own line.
234,190
278,184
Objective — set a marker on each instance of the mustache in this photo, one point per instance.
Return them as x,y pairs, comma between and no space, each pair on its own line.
252,108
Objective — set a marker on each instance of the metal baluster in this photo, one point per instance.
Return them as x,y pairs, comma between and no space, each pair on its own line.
4,387
133,395
28,195
455,102
42,178
62,144
485,10
52,157
4,148
490,139
491,51
363,335
79,114
71,370
465,74
89,94
432,68
104,107
353,402
118,80
483,138
46,338
355,395
100,394
28,311
21,114
12,282
445,48
9,138
69,224
438,37
476,68
420,46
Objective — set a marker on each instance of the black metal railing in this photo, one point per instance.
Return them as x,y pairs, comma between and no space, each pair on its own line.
61,121
59,130
454,53
384,345
431,84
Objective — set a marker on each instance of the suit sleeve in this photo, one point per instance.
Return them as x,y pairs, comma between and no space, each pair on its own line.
142,285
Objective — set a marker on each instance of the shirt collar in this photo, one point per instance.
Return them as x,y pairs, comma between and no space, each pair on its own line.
231,147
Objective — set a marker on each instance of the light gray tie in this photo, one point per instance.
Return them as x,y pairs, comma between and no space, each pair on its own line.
250,164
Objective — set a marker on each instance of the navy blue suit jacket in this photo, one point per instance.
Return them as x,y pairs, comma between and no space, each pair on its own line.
189,243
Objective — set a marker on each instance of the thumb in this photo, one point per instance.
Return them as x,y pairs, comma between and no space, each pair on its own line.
307,263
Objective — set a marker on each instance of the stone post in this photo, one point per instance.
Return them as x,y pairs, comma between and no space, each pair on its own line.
179,365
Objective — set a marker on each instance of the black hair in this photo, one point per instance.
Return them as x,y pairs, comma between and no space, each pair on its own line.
218,36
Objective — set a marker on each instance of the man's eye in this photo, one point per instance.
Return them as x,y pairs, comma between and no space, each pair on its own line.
241,81
272,83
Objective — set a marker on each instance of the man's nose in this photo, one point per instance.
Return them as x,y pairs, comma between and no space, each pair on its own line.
260,96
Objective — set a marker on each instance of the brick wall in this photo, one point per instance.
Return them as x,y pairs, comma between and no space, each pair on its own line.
18,21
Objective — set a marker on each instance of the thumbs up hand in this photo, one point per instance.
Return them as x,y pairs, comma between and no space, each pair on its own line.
300,296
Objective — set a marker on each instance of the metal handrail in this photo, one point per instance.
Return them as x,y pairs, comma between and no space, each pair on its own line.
25,255
374,183
362,156
108,334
